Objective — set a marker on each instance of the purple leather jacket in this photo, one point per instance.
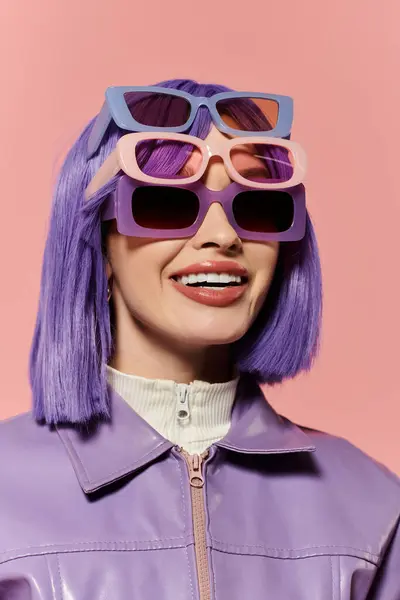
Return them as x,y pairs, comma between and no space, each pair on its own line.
272,511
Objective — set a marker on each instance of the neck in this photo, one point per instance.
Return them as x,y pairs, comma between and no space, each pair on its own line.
146,353
191,416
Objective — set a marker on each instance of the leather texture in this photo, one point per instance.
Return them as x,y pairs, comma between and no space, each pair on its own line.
105,514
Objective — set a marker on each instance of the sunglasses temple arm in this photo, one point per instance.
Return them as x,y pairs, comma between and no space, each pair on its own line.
99,128
109,211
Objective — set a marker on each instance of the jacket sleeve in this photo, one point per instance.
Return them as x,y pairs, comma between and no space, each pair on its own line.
386,584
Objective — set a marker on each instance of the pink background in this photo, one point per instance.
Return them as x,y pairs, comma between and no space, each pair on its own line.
339,60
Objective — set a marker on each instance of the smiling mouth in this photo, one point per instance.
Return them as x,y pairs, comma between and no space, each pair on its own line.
212,281
211,289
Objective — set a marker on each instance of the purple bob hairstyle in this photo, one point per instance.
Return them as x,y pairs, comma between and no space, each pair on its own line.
73,339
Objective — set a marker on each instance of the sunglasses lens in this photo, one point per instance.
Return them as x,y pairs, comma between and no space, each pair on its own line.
163,207
157,110
266,211
249,114
262,162
168,159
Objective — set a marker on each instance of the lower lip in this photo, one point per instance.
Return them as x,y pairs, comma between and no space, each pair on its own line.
222,297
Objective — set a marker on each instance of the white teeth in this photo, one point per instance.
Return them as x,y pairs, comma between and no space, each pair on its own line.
209,278
225,278
214,278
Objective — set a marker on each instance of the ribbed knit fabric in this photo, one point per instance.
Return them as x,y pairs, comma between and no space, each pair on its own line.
192,416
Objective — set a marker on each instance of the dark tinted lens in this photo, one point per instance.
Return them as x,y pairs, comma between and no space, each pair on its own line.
249,114
265,211
157,110
162,207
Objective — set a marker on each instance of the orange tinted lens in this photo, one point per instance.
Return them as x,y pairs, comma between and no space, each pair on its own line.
249,114
168,159
262,162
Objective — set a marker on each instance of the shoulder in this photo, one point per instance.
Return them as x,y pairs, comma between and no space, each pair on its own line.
345,466
24,438
343,452
35,474
31,456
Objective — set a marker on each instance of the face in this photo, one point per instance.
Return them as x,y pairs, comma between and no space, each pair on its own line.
148,293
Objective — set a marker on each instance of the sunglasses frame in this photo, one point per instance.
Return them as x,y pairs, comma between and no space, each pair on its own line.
115,109
124,158
118,206
127,158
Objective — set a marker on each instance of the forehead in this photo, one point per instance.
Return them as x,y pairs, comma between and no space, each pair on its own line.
215,135
217,138
244,157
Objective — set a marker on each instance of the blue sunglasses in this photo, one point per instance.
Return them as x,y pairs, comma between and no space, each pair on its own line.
155,108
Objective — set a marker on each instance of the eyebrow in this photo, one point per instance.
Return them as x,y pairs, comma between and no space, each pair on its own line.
189,172
254,171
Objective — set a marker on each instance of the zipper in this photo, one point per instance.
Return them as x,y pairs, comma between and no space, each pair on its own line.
196,478
182,404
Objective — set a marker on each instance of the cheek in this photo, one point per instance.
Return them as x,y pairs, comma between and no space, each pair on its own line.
138,265
263,261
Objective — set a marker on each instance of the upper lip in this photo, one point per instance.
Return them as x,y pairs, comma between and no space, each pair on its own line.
213,266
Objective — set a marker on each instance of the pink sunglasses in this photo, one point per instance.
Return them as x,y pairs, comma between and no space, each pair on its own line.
173,158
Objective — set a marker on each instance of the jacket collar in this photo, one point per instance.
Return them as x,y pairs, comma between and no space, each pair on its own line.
257,429
127,443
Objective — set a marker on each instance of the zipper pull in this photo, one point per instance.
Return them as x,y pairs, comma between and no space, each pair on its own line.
195,462
182,407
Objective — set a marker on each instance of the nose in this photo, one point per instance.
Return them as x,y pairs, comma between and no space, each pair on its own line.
215,176
216,231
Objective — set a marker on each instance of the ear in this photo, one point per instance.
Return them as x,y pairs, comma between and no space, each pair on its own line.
108,269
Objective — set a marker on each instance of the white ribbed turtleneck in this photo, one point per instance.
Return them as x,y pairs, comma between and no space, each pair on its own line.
193,416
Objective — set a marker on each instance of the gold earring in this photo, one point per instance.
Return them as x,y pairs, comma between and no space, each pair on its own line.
109,291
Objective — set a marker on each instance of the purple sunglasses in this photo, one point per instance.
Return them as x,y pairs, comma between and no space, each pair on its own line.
177,211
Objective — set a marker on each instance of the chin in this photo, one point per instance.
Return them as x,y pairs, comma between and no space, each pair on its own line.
211,336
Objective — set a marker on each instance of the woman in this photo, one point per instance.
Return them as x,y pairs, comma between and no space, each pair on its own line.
174,283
